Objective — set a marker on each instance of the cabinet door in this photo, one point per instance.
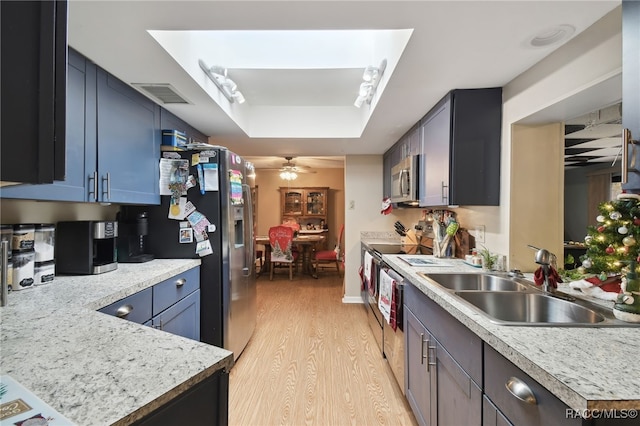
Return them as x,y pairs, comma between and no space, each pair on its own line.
419,377
135,308
182,319
292,202
459,398
491,416
415,140
128,130
435,156
170,121
80,136
386,175
33,86
316,202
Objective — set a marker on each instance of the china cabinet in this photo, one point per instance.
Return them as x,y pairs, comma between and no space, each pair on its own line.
307,205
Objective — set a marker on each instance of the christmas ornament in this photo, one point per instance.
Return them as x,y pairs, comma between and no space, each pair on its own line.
588,239
601,229
609,249
623,230
581,269
629,241
587,263
600,219
615,215
636,221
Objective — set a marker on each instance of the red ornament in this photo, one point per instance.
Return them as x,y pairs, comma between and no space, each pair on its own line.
638,259
601,228
609,250
636,221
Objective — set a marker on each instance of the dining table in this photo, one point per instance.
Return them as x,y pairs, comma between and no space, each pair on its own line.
307,244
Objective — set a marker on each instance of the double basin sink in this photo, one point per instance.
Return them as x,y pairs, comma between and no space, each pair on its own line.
508,300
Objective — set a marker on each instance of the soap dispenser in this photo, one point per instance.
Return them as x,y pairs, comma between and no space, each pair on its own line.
627,305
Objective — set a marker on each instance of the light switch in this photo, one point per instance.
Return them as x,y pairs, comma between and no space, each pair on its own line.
352,205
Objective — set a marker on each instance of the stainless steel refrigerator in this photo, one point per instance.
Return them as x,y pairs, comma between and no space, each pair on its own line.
219,232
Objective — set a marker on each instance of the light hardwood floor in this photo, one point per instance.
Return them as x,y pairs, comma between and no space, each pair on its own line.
312,360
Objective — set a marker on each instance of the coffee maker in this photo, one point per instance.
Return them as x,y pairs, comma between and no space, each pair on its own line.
132,238
86,247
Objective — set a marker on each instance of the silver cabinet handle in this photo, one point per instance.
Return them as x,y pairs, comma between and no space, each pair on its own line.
94,178
521,390
422,342
108,192
431,357
159,326
4,279
445,196
124,310
180,282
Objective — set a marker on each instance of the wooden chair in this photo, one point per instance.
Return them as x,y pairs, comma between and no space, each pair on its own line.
281,240
330,256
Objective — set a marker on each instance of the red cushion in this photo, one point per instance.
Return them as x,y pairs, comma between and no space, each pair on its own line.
326,255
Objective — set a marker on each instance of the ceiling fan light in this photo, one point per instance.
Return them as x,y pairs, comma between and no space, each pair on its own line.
288,175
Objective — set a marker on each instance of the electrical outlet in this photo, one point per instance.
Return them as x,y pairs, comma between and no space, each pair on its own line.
352,205
479,233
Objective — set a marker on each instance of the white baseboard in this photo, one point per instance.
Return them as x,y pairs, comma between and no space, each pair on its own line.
352,299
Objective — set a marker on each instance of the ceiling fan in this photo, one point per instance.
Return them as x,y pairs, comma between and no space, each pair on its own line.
292,167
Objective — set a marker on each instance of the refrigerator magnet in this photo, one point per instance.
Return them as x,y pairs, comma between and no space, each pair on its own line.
178,211
203,248
186,235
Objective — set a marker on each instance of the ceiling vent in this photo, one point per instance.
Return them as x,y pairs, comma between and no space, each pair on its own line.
161,92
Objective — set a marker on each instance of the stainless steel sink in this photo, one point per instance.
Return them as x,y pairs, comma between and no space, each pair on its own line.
537,309
470,281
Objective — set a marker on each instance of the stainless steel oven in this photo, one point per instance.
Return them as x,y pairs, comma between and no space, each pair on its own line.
390,342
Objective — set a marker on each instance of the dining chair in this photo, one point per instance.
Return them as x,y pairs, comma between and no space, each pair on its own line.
330,256
281,241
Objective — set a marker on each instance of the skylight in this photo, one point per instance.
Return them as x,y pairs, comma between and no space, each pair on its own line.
299,84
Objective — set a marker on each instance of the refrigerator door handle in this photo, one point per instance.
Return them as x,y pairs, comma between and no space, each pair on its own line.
250,255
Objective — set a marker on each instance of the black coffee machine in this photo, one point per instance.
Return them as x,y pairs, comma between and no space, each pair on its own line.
132,237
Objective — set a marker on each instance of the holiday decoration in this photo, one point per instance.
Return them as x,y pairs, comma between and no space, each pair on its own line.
612,244
627,306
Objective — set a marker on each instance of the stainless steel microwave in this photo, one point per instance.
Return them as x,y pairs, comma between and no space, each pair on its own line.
404,181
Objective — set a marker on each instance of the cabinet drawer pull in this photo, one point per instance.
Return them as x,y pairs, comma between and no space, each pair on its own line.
123,311
431,356
180,282
108,191
521,390
422,342
94,178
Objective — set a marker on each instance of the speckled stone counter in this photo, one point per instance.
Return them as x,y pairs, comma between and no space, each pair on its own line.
586,368
93,368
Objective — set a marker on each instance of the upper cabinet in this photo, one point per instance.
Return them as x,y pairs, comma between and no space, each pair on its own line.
460,149
113,142
170,121
33,85
631,91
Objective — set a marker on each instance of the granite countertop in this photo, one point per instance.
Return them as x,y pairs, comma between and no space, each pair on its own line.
586,368
94,368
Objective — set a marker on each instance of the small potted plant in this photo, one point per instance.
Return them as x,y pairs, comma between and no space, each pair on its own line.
488,259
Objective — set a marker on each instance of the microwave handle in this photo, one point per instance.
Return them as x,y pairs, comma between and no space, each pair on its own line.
403,192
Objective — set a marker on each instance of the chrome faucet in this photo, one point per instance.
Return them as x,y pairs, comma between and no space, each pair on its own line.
546,259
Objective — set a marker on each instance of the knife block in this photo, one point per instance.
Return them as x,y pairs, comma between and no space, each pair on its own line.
410,239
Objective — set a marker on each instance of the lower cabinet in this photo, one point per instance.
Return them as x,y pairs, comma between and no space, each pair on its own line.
172,305
439,389
454,378
206,403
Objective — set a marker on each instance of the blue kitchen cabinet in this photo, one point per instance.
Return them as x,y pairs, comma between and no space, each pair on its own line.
33,79
128,145
81,78
169,120
113,142
182,318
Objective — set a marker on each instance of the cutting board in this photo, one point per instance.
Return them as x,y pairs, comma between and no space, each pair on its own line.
464,243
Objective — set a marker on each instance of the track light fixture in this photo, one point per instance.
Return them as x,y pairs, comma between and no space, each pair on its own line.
371,78
228,87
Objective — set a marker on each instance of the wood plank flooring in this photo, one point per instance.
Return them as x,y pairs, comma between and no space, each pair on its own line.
312,361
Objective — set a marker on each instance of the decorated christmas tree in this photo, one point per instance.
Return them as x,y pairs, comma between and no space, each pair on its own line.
614,242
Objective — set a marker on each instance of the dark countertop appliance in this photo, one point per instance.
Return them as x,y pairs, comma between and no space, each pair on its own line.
86,247
132,238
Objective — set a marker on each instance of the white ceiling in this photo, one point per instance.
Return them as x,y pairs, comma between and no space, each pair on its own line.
454,44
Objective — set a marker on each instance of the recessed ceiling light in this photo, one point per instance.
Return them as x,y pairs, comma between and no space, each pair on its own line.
552,35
